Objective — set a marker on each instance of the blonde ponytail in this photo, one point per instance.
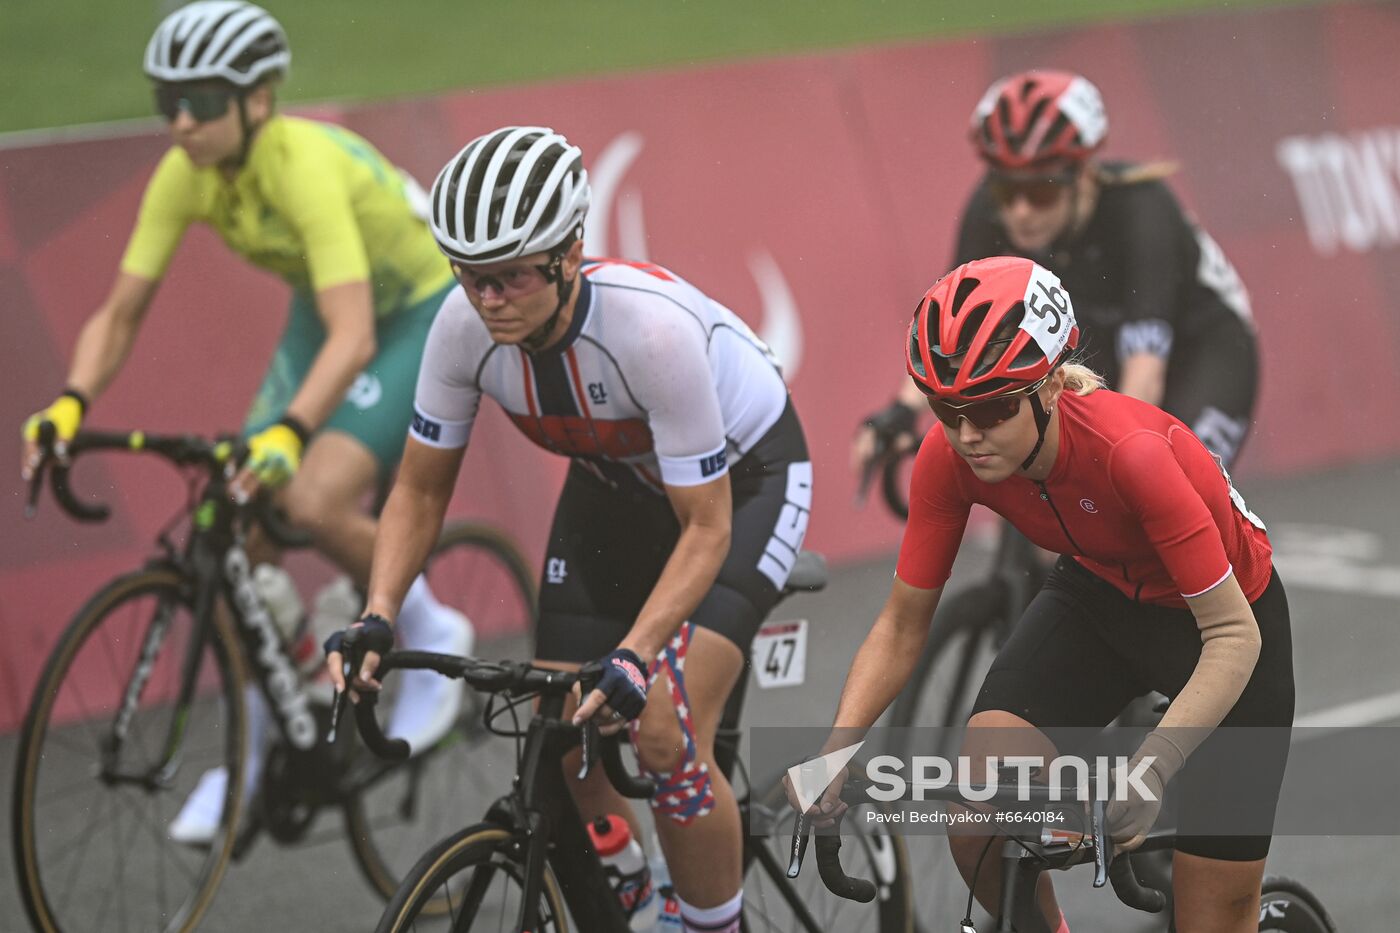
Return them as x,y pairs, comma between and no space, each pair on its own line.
1080,379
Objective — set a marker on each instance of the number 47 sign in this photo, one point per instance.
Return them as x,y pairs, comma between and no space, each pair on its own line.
779,654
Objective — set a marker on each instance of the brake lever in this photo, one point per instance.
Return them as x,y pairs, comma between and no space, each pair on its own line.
589,741
800,837
867,472
36,480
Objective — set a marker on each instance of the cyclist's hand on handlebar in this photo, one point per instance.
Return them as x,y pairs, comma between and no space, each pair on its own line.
66,416
362,645
889,430
274,454
826,809
1130,819
617,689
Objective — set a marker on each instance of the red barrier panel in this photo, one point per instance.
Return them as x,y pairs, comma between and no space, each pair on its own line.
817,196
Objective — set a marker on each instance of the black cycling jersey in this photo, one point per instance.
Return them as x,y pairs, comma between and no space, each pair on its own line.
1146,278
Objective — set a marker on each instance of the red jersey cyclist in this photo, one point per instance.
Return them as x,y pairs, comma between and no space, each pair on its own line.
320,207
1164,316
1165,582
686,499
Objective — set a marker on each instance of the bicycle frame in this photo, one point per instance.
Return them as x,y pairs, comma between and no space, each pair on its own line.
541,814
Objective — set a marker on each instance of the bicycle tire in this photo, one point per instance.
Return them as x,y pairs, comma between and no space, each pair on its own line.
870,853
1286,906
32,830
503,602
470,849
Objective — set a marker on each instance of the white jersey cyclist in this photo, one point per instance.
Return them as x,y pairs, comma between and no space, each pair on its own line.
686,503
654,383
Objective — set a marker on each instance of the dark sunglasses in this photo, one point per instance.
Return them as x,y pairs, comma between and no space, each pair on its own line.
1040,192
985,414
201,103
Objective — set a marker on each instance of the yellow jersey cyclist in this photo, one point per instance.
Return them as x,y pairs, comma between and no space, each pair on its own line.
320,207
1166,318
686,500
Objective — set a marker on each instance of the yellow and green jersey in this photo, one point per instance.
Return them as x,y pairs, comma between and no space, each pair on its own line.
315,204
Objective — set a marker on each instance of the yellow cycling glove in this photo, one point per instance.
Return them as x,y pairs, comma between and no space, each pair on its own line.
65,414
275,453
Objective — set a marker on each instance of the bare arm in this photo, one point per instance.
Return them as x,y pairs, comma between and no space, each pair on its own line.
888,655
1144,376
107,337
706,513
347,311
411,522
408,528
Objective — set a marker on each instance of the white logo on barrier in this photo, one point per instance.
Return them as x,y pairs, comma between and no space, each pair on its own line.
612,203
1347,186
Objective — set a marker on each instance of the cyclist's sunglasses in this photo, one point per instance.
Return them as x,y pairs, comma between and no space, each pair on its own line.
201,103
985,414
511,282
1040,192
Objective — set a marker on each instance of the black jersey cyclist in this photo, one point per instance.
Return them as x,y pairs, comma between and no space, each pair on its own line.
687,497
1164,314
1166,584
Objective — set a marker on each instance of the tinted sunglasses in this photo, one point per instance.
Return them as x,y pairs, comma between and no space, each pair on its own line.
985,414
201,103
1040,192
511,282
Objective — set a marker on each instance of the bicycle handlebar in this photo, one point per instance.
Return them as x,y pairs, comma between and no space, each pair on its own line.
496,677
179,449
1118,870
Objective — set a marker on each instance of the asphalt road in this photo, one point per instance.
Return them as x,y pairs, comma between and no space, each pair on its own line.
1337,535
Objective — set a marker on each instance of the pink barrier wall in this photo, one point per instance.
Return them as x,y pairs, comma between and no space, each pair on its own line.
817,196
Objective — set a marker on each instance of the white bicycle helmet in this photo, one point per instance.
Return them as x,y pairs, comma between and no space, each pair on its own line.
227,39
515,191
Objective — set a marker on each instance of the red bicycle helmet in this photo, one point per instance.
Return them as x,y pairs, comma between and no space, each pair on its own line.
1039,122
990,327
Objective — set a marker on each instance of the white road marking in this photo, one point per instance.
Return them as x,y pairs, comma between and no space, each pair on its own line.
1366,712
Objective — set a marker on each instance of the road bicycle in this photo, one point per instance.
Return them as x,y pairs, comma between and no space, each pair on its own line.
145,691
1043,842
529,865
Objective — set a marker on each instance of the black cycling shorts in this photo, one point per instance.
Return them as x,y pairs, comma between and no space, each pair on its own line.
1082,651
1212,384
608,546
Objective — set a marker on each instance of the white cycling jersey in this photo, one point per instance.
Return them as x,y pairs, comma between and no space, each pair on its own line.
654,382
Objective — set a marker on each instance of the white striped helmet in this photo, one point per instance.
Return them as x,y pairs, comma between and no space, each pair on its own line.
515,191
237,42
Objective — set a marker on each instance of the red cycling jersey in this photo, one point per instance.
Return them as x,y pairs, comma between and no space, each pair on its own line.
1133,496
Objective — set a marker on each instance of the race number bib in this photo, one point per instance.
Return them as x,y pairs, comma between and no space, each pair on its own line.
1049,316
779,654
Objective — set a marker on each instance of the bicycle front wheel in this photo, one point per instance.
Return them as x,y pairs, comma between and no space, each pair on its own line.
109,752
1288,907
477,874
395,814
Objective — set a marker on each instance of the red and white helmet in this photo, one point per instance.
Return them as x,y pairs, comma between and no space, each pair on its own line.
990,327
1039,122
